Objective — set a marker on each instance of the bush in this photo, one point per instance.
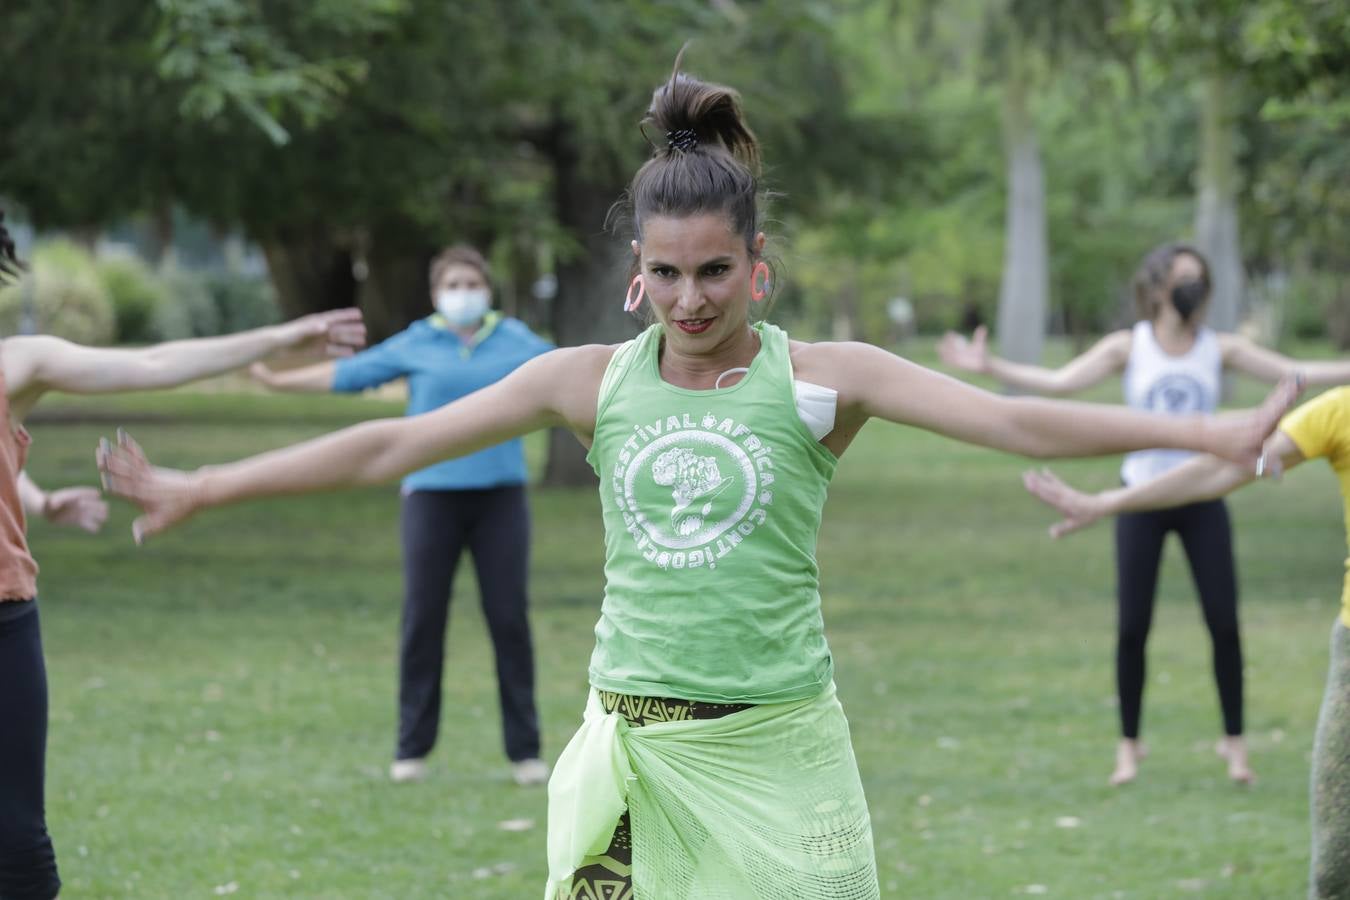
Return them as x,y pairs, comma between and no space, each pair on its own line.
137,296
189,311
68,298
207,305
1302,309
242,302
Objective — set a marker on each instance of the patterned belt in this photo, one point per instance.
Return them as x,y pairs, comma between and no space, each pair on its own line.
641,711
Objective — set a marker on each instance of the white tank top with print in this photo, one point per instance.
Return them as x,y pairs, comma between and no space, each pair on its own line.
1156,381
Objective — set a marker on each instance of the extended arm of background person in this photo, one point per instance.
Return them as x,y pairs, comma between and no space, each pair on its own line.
874,383
1102,360
34,365
79,507
1252,359
556,389
374,366
1202,478
315,379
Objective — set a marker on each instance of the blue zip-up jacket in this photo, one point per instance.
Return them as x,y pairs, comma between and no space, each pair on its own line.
440,368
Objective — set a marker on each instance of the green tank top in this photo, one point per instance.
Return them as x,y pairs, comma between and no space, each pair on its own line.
712,503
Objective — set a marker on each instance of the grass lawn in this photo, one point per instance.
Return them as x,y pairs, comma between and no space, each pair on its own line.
223,699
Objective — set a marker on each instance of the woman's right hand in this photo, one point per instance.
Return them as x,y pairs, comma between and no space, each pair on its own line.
1078,509
166,496
262,373
79,507
970,354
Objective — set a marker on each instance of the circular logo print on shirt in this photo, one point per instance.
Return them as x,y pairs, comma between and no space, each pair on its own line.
687,488
1177,395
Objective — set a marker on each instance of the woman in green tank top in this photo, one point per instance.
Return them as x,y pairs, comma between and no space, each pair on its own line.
714,760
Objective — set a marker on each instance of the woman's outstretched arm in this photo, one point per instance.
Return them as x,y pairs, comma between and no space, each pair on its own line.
1102,360
34,365
312,379
1252,359
875,384
556,389
1202,478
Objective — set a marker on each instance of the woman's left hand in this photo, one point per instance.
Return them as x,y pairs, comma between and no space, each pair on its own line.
338,332
1240,437
166,496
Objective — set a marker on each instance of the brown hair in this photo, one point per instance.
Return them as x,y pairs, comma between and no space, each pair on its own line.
10,266
707,160
459,255
1152,274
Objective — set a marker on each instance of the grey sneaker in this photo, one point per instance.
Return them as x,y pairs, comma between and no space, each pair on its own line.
528,772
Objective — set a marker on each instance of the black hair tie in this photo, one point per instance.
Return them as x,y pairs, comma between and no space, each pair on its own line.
683,140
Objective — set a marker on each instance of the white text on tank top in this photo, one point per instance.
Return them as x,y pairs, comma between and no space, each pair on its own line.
1159,382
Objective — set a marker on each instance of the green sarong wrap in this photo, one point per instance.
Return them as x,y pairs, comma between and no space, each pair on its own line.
763,804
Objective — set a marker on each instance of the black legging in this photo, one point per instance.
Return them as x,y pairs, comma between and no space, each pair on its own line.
27,860
494,524
1208,540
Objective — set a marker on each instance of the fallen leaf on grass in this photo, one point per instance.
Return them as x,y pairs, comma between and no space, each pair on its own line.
501,868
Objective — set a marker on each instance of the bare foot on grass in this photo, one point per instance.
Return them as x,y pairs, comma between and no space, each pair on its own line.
1128,754
1233,748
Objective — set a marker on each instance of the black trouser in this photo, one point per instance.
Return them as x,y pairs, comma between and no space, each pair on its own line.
1207,539
27,860
494,523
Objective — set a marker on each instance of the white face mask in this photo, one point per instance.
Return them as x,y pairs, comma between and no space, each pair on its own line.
462,307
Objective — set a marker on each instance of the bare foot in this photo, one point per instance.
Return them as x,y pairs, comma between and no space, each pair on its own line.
1128,754
1233,748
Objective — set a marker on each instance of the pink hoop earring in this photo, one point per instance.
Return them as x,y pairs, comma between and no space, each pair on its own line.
760,289
630,302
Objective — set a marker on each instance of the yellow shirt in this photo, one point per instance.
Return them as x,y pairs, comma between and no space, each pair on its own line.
1321,427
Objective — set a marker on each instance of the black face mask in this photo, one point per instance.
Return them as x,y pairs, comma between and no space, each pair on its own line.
1187,296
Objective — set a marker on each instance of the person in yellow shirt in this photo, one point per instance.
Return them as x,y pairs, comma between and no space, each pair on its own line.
1318,429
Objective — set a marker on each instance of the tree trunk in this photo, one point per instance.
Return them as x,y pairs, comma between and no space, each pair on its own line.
162,236
844,319
1022,298
588,308
397,288
310,272
1216,216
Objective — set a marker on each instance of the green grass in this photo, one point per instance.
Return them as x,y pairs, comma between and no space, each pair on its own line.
223,699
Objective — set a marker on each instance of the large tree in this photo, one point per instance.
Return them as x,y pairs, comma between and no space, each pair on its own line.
350,140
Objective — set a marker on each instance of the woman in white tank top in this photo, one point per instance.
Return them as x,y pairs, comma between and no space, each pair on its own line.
1170,363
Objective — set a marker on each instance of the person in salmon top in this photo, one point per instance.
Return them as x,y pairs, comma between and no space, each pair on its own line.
30,367
714,758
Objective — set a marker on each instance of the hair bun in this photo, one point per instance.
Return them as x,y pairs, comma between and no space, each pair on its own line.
696,114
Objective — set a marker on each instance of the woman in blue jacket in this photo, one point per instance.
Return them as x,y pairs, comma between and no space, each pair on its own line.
477,501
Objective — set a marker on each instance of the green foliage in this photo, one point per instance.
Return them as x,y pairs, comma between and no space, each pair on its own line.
243,302
380,129
1307,302
206,304
137,296
191,311
225,55
66,295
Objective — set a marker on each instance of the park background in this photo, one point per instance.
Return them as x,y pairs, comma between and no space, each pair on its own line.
223,699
